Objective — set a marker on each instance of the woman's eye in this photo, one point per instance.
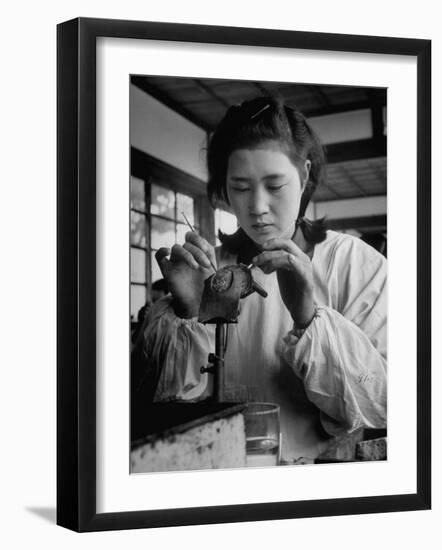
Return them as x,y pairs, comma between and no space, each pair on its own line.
275,187
240,189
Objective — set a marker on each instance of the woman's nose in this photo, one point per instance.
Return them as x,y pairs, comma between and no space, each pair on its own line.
258,204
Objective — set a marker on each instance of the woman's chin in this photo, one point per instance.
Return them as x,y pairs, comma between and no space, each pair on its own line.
262,236
259,242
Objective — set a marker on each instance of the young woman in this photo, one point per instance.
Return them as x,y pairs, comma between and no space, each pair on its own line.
317,344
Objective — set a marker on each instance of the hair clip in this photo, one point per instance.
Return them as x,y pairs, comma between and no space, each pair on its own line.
261,110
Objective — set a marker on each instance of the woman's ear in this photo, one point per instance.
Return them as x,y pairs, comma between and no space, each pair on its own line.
305,173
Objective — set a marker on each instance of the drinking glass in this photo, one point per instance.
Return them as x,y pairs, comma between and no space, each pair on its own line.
262,434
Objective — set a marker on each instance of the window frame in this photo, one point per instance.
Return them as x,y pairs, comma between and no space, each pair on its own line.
154,171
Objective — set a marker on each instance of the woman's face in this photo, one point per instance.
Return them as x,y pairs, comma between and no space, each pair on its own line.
264,189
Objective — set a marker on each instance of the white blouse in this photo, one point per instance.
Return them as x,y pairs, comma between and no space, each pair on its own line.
330,381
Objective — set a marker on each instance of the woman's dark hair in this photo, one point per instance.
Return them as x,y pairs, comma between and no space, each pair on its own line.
248,125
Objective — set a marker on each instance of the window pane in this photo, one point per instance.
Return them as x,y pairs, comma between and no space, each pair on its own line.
156,272
138,265
137,194
163,233
181,231
162,201
137,300
184,204
138,229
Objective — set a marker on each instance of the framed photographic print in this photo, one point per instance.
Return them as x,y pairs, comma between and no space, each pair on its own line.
225,200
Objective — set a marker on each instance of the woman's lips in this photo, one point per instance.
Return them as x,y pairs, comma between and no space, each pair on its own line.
262,227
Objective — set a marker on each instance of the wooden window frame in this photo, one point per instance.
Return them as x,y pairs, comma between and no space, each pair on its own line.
154,171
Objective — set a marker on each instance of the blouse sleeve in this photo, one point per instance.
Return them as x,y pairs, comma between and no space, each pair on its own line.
341,356
172,350
176,349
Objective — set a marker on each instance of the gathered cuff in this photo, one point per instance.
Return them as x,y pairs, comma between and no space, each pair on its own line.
164,310
297,333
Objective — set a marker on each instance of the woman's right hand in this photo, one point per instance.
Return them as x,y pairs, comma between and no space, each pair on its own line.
185,272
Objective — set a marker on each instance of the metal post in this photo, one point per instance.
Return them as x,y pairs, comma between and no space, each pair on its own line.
218,381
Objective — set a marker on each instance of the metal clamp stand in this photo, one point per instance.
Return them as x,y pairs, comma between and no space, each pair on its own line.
216,363
220,305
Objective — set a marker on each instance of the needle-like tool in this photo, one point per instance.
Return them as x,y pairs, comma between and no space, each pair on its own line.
193,229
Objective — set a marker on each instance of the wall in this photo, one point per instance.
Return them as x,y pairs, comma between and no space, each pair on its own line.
349,208
341,127
166,135
27,403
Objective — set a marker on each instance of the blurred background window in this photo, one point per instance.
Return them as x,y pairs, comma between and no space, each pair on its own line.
156,221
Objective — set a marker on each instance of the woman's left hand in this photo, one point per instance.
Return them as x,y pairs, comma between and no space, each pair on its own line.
295,277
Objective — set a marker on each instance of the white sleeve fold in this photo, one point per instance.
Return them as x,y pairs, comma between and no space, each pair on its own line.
343,373
178,348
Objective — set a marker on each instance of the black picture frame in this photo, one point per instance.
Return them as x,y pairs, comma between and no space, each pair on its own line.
76,273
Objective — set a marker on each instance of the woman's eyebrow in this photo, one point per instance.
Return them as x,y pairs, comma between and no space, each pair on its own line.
266,177
239,178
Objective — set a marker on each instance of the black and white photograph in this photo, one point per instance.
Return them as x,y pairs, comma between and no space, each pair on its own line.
258,274
243,274
221,248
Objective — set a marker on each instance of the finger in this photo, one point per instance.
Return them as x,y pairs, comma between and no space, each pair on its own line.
283,244
179,254
202,244
271,261
198,254
161,258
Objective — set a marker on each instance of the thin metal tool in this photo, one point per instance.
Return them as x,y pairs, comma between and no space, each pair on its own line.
193,229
